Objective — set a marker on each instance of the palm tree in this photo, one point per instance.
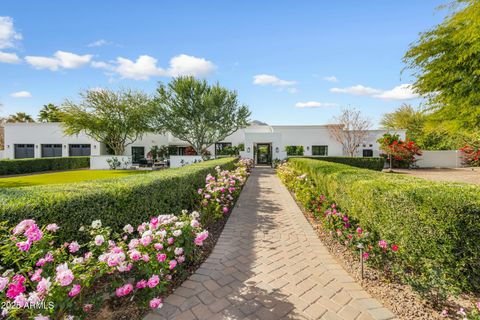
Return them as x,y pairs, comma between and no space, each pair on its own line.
20,117
49,113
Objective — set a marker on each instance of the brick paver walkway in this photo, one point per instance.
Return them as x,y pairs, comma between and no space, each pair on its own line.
269,264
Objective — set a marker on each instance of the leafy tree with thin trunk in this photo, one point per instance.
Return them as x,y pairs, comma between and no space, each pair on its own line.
350,130
446,63
49,113
116,118
198,113
20,117
405,117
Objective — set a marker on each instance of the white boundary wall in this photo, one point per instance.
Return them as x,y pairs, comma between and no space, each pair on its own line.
100,162
440,159
180,161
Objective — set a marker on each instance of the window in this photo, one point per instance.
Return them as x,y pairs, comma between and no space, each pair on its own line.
368,153
219,146
319,150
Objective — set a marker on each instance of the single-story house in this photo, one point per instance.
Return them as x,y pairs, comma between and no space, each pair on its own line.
263,143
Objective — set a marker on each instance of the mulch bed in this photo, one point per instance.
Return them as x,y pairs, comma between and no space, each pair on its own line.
399,298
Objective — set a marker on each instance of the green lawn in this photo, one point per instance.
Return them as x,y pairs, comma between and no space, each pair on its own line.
64,177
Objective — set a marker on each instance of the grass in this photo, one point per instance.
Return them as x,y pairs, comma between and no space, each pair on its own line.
64,177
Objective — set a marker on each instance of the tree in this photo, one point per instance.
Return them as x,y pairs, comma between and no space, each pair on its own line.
405,117
403,152
117,119
198,113
350,130
20,117
446,64
49,113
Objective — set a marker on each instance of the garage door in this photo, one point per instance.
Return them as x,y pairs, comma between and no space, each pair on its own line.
78,150
23,151
51,150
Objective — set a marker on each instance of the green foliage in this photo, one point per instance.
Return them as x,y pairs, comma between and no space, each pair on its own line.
228,151
372,163
19,166
199,113
436,224
407,118
117,202
49,113
446,63
117,119
20,117
294,150
241,147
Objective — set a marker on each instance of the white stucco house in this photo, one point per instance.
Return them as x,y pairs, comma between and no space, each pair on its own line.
261,142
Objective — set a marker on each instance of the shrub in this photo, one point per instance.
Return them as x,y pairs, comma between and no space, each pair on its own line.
115,201
471,154
372,163
19,166
294,150
435,224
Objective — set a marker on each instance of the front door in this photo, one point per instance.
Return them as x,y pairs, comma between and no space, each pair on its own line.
137,154
263,153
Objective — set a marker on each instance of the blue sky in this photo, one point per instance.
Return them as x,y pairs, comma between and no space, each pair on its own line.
291,62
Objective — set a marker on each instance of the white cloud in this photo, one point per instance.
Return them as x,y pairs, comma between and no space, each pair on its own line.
21,94
146,66
315,104
6,57
8,35
330,79
60,59
357,90
267,79
99,43
401,92
101,65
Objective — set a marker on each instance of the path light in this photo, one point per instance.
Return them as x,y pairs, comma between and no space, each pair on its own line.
360,246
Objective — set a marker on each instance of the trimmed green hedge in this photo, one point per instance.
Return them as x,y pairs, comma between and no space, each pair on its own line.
19,166
372,163
116,202
436,225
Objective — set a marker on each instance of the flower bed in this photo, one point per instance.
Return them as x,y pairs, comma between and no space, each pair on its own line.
133,263
421,232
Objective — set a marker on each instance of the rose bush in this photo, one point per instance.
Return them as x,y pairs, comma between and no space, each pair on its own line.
42,279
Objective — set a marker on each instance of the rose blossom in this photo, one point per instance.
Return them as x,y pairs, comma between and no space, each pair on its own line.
394,247
3,283
74,247
172,264
99,240
44,285
64,275
382,244
141,284
153,281
170,241
158,246
23,245
156,303
75,290
161,257
52,227
124,290
201,237
128,228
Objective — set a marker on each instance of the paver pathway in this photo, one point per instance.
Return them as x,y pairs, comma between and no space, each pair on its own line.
269,264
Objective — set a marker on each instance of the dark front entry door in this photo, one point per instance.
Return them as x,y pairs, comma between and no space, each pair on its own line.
263,153
137,154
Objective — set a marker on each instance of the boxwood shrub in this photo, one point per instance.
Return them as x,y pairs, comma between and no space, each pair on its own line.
372,163
436,225
116,201
19,166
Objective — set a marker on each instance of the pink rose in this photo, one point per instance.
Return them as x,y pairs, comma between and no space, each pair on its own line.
64,275
161,257
124,290
52,227
156,303
23,245
158,246
153,281
141,284
201,237
172,264
75,290
74,247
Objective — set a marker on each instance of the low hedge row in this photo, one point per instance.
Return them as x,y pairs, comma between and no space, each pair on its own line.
372,163
435,224
19,166
116,202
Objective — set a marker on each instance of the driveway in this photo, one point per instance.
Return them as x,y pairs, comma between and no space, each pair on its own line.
468,175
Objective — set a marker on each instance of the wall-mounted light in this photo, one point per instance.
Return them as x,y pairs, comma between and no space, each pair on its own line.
248,149
370,145
276,150
64,146
36,146
308,148
94,146
8,146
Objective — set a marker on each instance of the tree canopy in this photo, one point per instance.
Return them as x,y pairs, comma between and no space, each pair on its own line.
198,113
20,117
405,117
446,63
350,130
116,118
49,113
